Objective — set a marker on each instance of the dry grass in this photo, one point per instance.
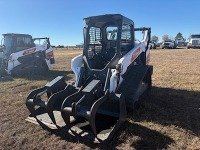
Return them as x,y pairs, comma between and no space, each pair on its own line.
168,119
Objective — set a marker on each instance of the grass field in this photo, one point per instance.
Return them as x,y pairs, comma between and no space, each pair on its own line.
168,119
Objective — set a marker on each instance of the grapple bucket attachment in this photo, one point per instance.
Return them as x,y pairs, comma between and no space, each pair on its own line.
93,113
88,112
47,112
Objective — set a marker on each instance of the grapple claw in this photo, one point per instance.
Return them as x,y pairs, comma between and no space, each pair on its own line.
56,91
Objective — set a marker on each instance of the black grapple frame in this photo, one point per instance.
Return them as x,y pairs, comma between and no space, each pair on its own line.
88,111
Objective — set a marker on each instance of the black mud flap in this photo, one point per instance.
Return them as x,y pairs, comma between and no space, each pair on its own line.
93,115
47,112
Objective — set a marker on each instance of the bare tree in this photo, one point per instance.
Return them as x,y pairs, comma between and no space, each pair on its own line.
165,37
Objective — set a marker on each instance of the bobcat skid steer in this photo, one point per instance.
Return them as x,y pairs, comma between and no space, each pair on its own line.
19,55
112,75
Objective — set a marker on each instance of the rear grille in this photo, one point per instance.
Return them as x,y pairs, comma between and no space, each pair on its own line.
195,42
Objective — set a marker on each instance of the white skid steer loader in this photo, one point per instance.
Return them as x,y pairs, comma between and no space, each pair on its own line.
112,74
20,55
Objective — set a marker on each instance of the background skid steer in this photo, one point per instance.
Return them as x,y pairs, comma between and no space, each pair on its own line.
21,54
112,75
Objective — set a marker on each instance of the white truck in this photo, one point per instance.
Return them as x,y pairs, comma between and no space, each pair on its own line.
169,44
180,42
194,41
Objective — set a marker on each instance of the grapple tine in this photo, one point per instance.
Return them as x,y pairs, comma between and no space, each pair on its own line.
58,98
31,100
122,115
94,109
30,105
83,105
66,108
57,90
66,116
103,106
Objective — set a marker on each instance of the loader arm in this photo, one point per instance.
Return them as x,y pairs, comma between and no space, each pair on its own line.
146,35
138,55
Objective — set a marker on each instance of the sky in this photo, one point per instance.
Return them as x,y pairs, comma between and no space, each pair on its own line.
62,20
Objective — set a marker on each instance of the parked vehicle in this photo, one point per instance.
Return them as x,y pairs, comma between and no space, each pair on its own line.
20,54
194,41
168,44
153,45
180,42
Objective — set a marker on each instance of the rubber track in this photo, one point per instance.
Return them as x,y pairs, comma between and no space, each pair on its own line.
132,81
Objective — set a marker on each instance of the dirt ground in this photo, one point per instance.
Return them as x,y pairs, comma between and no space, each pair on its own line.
168,119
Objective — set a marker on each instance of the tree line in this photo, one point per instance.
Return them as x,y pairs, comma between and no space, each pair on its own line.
167,37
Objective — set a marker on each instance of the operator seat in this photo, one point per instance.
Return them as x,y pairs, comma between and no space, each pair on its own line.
110,49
